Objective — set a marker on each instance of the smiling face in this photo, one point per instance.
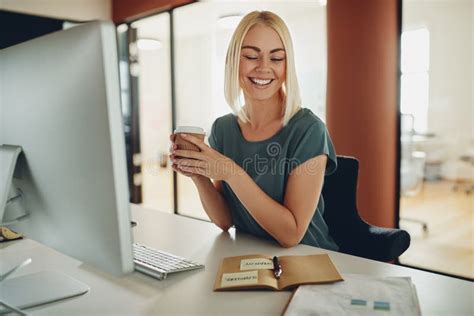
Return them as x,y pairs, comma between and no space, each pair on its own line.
262,68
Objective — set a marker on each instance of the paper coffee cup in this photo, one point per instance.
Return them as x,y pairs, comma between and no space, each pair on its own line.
191,130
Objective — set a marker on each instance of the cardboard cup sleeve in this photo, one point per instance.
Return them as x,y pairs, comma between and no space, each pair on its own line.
186,145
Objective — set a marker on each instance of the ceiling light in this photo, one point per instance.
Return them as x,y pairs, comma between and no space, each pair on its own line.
122,28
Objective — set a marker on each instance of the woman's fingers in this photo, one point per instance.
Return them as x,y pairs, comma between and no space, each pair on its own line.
173,147
193,170
192,163
189,154
179,170
188,171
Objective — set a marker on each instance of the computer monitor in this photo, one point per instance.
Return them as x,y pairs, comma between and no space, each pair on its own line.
60,101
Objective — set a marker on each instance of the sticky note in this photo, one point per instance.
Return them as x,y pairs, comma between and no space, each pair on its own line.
256,264
239,278
358,302
380,305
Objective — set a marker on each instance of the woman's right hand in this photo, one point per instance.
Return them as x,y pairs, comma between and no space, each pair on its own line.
173,161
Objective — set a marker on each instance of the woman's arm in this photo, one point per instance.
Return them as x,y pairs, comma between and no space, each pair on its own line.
210,194
286,222
213,202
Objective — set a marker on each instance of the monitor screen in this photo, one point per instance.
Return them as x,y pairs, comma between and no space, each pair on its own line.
60,101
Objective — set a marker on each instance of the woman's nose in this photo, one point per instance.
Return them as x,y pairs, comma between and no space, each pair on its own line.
263,65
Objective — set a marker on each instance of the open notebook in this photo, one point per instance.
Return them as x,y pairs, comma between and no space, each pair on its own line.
257,272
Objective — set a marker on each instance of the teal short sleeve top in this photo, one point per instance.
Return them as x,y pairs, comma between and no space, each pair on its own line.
269,163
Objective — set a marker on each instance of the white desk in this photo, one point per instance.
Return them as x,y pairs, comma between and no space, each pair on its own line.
190,293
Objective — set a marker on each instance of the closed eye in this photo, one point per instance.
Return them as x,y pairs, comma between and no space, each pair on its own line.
272,59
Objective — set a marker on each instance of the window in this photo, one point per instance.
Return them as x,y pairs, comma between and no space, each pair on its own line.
415,77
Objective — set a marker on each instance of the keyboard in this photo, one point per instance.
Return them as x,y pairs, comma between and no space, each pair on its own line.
159,264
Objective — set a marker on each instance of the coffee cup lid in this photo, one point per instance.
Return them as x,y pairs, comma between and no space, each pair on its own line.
189,129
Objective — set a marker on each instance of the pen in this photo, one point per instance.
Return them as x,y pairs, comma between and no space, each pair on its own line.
277,271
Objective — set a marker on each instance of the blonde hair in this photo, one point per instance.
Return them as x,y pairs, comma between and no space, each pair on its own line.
232,90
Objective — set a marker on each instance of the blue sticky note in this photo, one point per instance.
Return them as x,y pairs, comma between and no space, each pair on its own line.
380,305
358,302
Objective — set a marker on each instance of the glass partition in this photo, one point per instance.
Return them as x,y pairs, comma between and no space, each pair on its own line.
437,140
153,67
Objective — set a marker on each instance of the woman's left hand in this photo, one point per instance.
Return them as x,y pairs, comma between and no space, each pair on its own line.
208,162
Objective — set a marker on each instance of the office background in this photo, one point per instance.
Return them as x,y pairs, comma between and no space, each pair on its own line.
414,166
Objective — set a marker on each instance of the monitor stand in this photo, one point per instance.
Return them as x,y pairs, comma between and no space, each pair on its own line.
35,288
39,288
11,209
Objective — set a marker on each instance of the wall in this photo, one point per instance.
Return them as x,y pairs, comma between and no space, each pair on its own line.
362,98
123,10
77,10
450,114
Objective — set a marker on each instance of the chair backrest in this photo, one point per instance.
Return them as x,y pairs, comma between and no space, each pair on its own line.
339,193
352,234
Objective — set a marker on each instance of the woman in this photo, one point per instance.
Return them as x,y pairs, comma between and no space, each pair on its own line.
268,159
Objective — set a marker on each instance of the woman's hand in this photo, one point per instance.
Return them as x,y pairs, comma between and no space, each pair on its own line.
208,162
174,166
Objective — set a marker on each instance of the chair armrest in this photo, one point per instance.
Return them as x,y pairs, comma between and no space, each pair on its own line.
387,243
377,243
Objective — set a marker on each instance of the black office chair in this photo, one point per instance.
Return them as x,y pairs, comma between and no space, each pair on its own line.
352,234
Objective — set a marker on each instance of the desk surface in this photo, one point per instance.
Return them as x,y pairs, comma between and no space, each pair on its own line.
191,292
